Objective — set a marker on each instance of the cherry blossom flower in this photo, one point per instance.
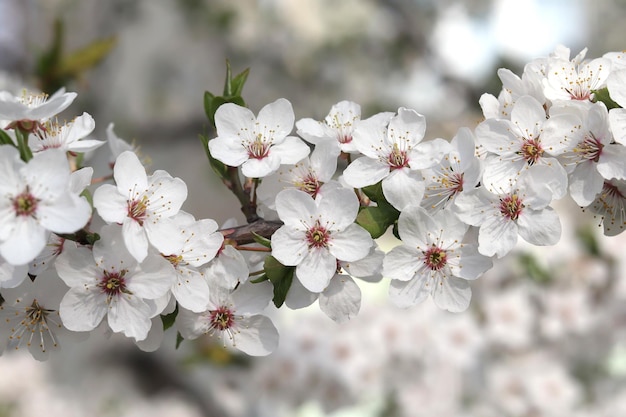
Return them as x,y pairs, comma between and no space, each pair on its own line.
30,317
525,141
432,260
575,80
258,144
69,137
610,204
36,199
521,209
338,127
594,158
460,170
317,233
394,155
202,243
234,317
29,110
108,282
309,175
143,205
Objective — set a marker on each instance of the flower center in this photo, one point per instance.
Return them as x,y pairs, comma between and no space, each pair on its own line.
317,236
222,319
531,151
113,284
137,209
175,260
397,158
258,149
36,313
25,204
309,184
590,148
453,182
511,206
435,258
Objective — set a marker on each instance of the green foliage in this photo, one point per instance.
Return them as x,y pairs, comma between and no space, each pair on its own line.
169,319
54,69
281,277
262,240
604,96
232,93
376,220
534,270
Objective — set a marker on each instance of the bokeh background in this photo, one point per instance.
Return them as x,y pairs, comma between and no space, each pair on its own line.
545,335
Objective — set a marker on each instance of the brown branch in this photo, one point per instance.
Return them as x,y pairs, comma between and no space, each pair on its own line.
243,234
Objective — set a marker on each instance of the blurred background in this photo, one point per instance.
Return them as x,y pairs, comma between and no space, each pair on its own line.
540,340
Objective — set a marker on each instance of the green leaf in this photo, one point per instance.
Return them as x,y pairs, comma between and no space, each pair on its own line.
208,99
604,96
280,276
93,238
168,319
218,167
239,81
179,339
215,103
228,83
374,192
259,279
262,240
78,62
376,220
5,139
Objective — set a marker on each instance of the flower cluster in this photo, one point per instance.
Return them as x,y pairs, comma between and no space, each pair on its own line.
121,248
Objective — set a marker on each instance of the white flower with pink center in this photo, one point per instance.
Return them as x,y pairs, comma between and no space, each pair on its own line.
527,140
309,175
233,316
29,110
521,209
202,242
610,204
594,157
317,233
338,126
458,171
394,155
143,205
432,260
36,198
69,137
258,144
575,80
108,282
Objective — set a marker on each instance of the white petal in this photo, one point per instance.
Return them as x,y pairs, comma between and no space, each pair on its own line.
405,294
453,294
316,270
351,244
365,171
402,263
130,176
251,298
111,205
403,187
497,236
81,310
341,300
540,227
289,246
130,315
291,150
135,239
256,336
